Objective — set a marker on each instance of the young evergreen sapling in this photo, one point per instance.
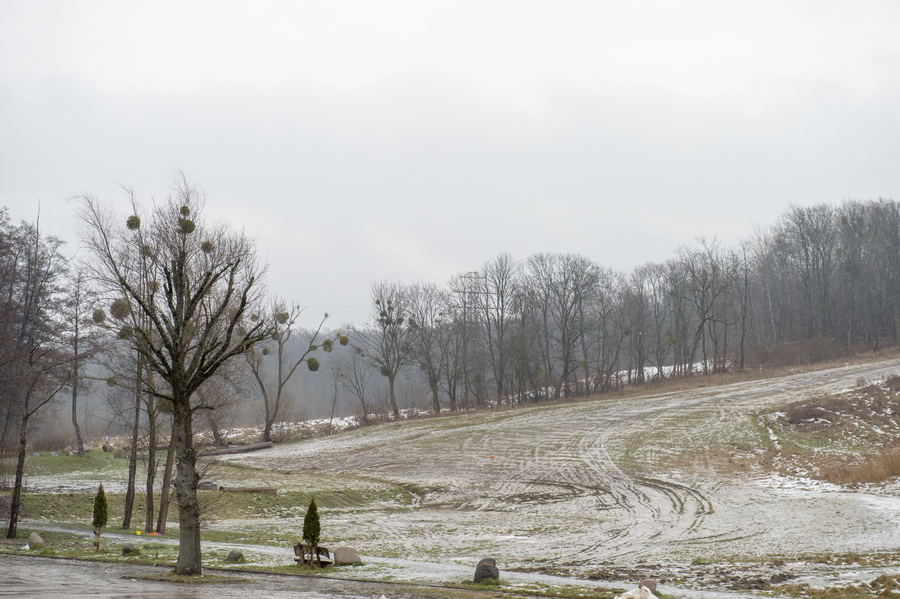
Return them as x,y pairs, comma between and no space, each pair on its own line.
101,514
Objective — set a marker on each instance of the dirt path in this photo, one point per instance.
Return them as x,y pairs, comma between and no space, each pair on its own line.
571,488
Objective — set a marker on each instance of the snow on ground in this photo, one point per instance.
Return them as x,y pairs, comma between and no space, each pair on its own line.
619,483
584,484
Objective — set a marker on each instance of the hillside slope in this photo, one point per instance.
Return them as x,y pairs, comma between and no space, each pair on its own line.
571,487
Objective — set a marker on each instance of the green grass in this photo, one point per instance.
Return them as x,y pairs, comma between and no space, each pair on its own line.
92,462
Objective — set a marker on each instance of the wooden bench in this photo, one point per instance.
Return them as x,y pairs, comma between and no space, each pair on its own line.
304,554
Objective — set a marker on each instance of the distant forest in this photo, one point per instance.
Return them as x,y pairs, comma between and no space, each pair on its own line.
820,283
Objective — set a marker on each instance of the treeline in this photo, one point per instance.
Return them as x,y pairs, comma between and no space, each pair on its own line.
821,282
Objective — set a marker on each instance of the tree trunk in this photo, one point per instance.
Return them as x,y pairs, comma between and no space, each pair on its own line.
435,400
79,440
16,499
269,418
218,441
393,398
151,468
132,462
164,493
186,479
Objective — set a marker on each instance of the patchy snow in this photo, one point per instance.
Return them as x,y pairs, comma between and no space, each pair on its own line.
574,488
577,485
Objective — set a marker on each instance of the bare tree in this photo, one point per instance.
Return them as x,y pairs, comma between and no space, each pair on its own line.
356,376
199,308
428,311
387,341
283,322
40,362
500,282
563,285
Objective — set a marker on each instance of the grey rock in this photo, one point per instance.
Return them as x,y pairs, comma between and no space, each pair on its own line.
35,540
234,557
650,584
120,453
487,570
346,556
130,549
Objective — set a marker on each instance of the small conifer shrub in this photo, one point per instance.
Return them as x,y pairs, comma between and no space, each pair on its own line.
312,529
101,513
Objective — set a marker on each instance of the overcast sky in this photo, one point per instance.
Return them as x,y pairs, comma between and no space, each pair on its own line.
361,141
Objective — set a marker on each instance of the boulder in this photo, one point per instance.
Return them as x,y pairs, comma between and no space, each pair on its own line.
120,453
649,583
486,570
35,540
234,557
130,549
346,556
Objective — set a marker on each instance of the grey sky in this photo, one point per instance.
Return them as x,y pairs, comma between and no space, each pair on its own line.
359,141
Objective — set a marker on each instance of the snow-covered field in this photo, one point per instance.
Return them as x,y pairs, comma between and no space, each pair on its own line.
697,486
582,487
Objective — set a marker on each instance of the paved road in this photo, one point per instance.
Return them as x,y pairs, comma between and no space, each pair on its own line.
25,577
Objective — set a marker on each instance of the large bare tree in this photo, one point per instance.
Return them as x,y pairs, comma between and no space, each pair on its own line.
199,311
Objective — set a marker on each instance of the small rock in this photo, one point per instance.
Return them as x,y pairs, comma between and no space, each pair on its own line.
54,454
487,569
35,540
120,453
346,556
207,485
68,448
234,556
649,583
36,454
130,549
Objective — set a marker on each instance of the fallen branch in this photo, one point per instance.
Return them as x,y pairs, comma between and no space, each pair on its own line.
239,449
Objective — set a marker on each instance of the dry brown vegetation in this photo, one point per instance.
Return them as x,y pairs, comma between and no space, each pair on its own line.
866,415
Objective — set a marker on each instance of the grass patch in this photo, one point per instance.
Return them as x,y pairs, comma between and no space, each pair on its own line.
92,462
